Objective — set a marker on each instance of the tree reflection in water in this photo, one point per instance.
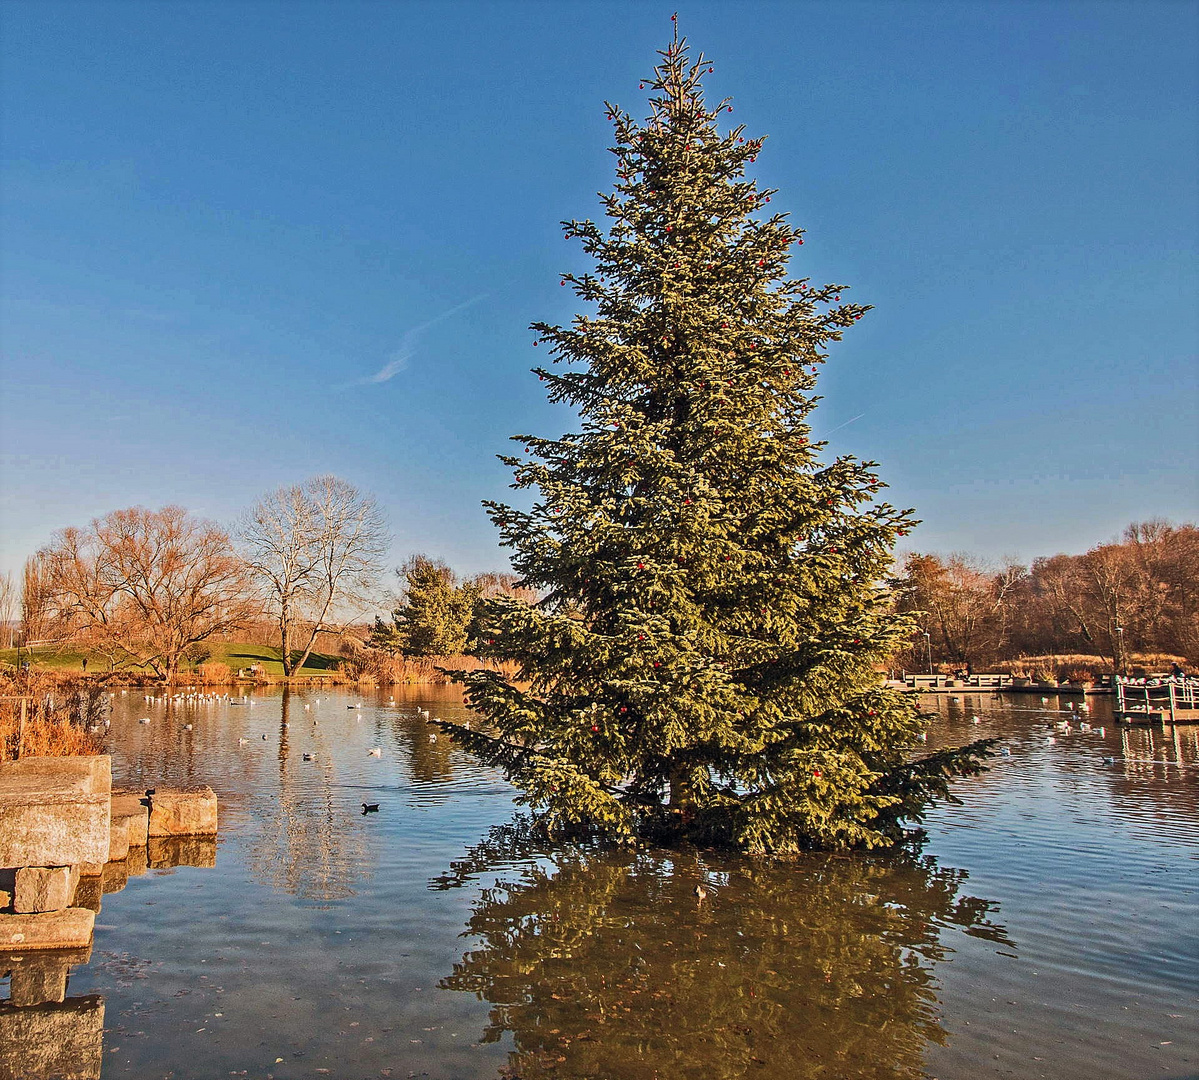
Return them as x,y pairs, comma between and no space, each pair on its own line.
607,964
308,845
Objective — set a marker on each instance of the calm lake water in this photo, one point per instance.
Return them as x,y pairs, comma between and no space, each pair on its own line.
1049,928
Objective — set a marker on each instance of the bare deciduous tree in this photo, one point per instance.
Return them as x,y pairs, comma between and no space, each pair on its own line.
317,550
8,610
146,584
34,600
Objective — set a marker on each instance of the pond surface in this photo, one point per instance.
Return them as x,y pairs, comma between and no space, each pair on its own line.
1049,928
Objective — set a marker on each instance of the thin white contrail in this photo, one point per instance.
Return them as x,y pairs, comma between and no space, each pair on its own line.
400,357
846,424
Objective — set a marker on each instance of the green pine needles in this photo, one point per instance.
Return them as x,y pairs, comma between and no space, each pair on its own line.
704,662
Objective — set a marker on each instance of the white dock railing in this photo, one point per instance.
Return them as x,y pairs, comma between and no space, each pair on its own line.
1167,696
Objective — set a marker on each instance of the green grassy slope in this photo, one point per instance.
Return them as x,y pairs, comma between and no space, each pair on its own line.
237,654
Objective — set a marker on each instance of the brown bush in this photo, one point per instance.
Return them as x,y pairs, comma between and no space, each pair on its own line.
215,672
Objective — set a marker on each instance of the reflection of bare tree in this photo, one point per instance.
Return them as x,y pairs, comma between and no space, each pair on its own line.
309,845
429,752
607,964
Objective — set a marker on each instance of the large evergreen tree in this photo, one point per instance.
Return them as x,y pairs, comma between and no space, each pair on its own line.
704,658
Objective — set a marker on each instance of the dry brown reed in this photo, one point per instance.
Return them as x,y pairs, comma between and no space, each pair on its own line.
59,716
1081,667
380,668
214,673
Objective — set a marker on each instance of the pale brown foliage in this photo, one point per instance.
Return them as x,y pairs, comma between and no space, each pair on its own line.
1135,596
316,550
8,610
144,585
35,614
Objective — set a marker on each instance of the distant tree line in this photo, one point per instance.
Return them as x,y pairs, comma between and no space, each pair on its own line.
149,588
1137,595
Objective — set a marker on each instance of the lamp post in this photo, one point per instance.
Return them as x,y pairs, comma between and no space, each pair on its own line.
928,648
1121,667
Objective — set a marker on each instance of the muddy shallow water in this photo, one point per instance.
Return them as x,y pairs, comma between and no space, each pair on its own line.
1049,927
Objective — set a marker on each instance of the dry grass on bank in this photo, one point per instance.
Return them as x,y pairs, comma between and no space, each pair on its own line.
1080,667
58,715
379,668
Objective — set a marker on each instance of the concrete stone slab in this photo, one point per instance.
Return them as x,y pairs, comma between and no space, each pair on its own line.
69,929
54,1041
165,852
118,839
183,812
44,888
54,811
134,806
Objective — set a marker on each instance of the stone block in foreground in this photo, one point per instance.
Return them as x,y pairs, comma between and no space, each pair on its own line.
44,888
132,807
54,811
183,812
118,839
68,929
54,1041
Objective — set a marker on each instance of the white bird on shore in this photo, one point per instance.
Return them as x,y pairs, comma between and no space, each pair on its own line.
242,742
144,720
187,727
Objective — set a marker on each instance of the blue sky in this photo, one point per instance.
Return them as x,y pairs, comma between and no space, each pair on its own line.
247,242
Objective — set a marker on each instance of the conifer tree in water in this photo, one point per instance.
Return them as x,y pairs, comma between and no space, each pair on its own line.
704,661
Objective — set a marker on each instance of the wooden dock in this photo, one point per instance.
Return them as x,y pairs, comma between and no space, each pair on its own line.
1171,700
998,683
